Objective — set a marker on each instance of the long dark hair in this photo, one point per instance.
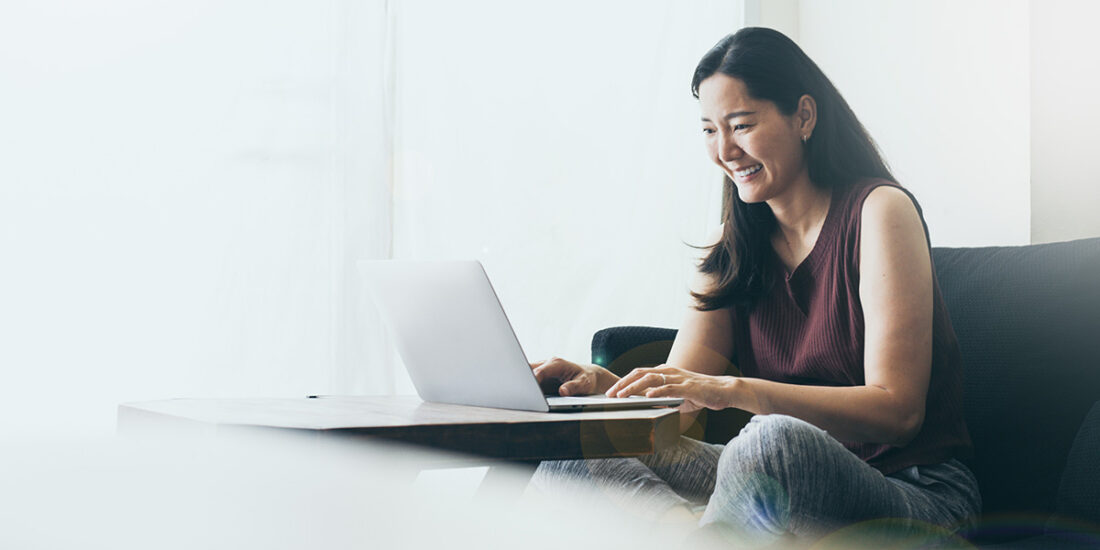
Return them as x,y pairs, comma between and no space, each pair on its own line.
839,153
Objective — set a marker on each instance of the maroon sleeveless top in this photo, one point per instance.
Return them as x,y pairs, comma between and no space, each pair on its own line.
809,329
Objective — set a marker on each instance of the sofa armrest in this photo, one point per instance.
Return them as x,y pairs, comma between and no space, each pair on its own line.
623,349
1079,491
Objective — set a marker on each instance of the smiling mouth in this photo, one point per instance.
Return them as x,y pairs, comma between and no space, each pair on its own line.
748,171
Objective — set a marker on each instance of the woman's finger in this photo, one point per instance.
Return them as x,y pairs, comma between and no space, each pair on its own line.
557,368
683,391
667,390
637,373
691,402
699,393
547,371
627,380
647,380
547,368
579,385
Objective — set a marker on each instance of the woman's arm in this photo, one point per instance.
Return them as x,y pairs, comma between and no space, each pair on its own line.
896,293
704,342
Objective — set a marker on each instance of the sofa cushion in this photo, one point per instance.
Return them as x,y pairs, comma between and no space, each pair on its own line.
1028,323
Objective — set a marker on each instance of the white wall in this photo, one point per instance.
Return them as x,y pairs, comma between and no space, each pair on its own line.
944,88
1065,85
558,142
781,15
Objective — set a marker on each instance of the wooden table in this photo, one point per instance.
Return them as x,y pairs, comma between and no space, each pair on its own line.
497,434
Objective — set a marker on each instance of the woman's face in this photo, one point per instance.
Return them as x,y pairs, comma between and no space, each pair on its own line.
756,145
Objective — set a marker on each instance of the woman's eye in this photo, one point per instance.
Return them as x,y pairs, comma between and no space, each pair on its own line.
737,127
708,131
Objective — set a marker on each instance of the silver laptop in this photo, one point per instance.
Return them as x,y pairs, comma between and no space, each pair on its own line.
457,343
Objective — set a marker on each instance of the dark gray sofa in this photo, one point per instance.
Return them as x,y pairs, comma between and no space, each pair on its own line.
1028,323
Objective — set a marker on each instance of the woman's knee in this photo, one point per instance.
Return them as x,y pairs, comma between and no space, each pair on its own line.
771,455
775,443
759,471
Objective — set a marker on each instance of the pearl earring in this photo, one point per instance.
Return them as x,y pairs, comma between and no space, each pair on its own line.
805,139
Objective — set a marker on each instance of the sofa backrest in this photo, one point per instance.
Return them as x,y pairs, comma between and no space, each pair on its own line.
1028,323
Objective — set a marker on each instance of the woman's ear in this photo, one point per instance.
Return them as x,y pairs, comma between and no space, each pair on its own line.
807,115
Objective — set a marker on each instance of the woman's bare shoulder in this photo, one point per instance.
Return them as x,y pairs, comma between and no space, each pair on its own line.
891,229
887,210
886,200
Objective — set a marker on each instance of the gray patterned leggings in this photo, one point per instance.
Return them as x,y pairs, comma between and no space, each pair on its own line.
779,477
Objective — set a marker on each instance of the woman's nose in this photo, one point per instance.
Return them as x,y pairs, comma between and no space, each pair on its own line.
728,150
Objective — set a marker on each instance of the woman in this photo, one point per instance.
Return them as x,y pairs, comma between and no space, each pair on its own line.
820,289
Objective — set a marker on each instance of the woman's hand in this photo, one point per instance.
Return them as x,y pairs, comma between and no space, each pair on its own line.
575,379
699,391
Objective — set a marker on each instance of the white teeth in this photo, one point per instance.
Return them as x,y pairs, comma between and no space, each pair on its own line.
748,171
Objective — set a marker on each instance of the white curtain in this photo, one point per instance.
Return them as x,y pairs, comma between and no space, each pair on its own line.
185,187
184,190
